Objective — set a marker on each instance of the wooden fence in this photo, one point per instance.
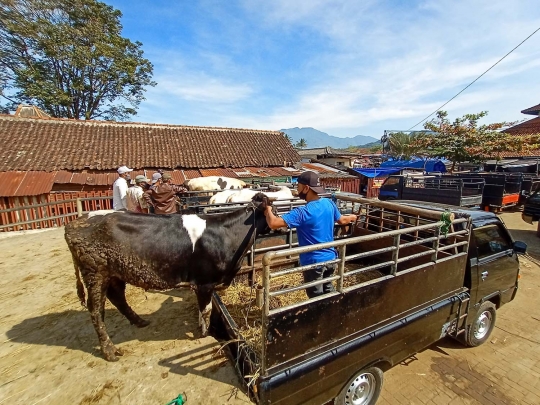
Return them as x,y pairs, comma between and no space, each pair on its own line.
49,210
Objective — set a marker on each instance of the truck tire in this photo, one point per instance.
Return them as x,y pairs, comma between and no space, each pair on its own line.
363,388
482,325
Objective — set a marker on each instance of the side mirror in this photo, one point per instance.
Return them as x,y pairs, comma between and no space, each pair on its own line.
520,247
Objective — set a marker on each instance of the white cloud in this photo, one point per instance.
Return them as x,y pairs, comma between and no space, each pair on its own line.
379,64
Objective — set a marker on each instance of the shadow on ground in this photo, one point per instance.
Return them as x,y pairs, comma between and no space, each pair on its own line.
73,329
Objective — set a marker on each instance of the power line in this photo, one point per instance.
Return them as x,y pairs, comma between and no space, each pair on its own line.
470,84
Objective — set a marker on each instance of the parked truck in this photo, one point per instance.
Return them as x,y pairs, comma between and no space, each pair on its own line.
409,274
465,192
502,190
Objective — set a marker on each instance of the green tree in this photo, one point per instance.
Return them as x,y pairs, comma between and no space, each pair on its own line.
402,145
287,137
68,57
302,143
465,140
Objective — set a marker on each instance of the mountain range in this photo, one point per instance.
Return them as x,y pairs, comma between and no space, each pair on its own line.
318,139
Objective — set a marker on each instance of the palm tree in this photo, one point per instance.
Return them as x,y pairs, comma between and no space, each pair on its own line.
287,137
402,145
302,143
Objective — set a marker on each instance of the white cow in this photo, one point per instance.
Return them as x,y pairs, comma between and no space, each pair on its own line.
222,196
214,183
246,195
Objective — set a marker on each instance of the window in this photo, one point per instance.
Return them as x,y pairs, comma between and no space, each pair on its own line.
491,240
391,181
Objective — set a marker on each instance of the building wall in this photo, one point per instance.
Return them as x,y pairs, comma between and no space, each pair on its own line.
337,161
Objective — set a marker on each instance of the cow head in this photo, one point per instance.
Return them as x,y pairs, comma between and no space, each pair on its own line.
258,203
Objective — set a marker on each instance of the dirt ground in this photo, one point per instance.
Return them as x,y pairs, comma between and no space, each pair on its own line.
49,352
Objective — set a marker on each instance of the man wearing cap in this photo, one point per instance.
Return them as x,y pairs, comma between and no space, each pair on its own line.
134,195
314,223
156,177
162,195
120,187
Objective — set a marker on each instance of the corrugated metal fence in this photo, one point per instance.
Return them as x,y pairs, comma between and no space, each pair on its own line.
347,185
47,210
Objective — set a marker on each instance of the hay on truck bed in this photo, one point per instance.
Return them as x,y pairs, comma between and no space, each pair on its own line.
239,299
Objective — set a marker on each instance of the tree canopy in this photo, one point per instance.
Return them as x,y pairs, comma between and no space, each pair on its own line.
302,143
68,57
465,140
402,145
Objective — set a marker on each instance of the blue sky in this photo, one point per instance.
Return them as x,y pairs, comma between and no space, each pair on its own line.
344,67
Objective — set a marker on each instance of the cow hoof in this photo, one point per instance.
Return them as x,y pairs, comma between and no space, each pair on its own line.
110,355
142,323
110,352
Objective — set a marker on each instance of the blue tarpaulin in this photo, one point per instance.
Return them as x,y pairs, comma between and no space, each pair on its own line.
377,171
429,165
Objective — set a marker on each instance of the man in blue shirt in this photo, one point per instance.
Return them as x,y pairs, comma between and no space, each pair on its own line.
314,223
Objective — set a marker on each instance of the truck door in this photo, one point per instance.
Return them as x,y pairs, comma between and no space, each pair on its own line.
497,264
391,188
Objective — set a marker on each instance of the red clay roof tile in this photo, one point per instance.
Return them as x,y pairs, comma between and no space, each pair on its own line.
54,144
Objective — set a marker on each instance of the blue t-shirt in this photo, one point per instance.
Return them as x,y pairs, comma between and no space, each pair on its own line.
314,223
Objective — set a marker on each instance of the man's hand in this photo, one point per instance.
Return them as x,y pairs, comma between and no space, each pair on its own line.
347,219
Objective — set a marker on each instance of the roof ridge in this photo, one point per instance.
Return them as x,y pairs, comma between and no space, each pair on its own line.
127,124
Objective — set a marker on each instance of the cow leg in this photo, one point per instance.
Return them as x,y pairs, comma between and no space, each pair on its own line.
204,299
96,305
116,293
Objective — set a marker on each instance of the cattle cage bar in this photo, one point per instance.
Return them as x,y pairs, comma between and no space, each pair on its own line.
343,258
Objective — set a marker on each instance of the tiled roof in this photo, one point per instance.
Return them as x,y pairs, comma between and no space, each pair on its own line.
55,144
525,128
532,110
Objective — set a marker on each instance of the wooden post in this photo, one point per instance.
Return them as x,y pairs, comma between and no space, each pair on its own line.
79,208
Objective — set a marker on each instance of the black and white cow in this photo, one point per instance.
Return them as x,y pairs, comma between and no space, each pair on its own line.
158,252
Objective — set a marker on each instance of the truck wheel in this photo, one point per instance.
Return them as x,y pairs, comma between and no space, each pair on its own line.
362,389
482,325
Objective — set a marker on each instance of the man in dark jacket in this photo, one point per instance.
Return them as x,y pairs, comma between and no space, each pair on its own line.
162,196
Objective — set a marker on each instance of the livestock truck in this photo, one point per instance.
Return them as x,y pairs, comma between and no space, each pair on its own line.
408,275
502,190
465,192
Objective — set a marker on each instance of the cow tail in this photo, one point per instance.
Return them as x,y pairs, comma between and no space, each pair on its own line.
80,286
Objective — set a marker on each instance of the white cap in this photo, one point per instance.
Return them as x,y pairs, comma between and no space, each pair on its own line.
124,169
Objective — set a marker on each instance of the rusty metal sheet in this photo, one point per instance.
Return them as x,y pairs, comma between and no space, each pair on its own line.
9,183
218,172
263,172
35,183
244,173
286,171
63,177
177,177
102,179
191,174
79,178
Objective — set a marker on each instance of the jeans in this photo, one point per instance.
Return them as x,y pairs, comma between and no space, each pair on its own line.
319,273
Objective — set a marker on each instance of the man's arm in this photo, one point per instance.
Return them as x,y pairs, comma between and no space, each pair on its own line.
273,221
122,190
347,219
179,189
148,198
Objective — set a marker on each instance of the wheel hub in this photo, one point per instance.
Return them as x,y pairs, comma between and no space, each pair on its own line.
482,325
361,390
